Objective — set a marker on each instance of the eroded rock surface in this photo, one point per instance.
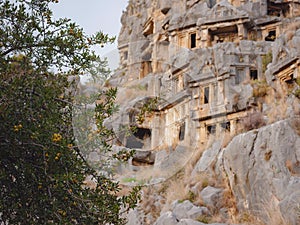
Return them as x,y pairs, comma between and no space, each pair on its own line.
263,169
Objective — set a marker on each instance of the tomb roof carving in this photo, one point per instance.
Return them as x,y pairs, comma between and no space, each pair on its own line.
266,21
174,100
221,12
289,62
190,18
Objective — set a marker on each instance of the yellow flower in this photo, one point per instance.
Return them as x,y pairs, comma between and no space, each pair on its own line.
62,212
56,137
17,127
70,145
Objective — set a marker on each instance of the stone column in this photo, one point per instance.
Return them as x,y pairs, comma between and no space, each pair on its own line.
203,134
233,127
242,32
157,132
205,38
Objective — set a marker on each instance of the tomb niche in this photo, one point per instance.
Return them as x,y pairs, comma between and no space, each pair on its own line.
271,35
225,23
278,9
206,96
223,34
140,138
239,76
211,129
225,126
187,39
253,74
146,68
192,40
181,134
177,83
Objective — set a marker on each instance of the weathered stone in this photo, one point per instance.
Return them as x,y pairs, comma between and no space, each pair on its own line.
172,160
187,210
208,157
133,218
189,222
265,158
211,196
166,218
147,157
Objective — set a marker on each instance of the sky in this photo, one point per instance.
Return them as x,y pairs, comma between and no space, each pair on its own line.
93,16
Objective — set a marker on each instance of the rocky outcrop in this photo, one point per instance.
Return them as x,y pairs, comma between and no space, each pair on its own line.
263,170
183,213
263,167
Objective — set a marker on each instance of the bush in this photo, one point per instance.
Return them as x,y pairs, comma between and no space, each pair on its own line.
260,88
266,59
252,121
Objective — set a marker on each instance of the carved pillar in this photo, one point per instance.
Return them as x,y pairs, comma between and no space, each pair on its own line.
242,31
233,127
156,137
203,134
205,38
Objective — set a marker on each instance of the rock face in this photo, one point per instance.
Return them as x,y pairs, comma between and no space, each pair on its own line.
264,171
208,63
214,69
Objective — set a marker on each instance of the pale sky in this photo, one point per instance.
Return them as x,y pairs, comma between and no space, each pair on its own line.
93,16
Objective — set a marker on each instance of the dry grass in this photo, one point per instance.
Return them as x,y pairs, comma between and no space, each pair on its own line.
192,162
266,59
296,124
169,191
247,218
226,138
150,203
268,214
272,215
291,29
297,93
176,190
202,180
253,120
298,81
276,101
260,88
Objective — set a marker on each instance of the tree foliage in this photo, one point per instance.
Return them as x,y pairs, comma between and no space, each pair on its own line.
27,27
42,171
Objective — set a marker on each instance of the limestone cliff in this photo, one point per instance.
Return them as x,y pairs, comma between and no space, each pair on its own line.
212,70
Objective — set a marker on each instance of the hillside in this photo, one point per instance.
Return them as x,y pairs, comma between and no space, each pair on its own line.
219,138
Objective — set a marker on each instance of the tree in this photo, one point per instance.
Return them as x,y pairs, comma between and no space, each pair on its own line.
42,171
98,71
